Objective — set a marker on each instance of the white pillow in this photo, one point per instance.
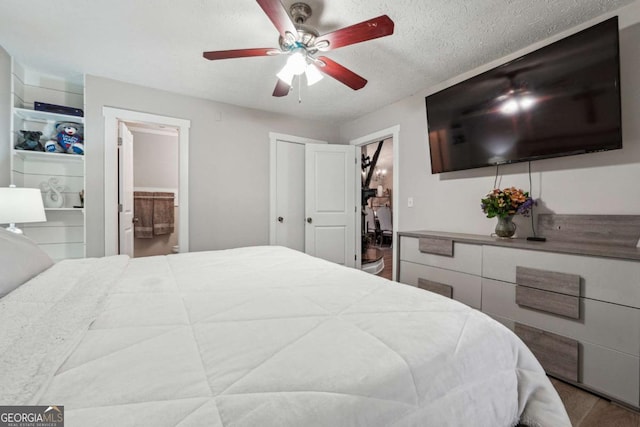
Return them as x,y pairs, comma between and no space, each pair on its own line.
20,260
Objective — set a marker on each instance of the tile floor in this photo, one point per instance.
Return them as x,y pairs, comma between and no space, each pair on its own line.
588,410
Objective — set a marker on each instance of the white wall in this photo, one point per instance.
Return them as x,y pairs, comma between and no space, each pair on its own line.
228,161
596,183
5,115
155,160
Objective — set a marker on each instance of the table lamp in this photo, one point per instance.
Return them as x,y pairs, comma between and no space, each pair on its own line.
20,205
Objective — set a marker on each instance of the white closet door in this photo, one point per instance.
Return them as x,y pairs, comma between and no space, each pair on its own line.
330,202
290,195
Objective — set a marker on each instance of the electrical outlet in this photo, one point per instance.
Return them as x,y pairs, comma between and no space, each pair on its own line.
410,202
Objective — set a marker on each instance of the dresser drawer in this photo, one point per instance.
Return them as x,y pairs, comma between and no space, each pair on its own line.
603,279
558,355
466,258
609,325
610,372
465,288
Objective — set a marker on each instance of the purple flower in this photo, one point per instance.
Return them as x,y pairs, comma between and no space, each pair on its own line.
525,207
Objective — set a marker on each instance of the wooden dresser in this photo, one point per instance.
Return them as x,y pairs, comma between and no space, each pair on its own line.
574,299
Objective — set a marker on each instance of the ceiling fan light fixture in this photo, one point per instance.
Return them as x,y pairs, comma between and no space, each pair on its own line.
297,62
301,42
313,75
286,75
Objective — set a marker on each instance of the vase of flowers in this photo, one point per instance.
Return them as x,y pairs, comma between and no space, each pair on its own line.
505,227
505,204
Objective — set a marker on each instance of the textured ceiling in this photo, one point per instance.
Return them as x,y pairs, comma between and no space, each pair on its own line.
160,43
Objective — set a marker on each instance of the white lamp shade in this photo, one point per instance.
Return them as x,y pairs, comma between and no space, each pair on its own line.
286,75
18,205
297,62
313,75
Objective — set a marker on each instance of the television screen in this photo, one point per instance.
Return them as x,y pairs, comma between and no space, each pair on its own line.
559,100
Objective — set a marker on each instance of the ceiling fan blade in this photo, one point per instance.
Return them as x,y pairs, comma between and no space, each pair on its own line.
282,89
238,53
367,30
342,74
279,16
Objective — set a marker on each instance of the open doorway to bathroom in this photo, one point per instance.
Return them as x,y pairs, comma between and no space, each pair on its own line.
377,207
119,207
156,197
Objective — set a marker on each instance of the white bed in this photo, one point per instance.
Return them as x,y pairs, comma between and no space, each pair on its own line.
260,336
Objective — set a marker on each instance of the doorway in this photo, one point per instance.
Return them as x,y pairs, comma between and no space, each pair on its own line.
377,207
391,178
178,131
156,195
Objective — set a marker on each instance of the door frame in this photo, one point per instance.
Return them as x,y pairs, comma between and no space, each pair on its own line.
392,132
274,137
112,116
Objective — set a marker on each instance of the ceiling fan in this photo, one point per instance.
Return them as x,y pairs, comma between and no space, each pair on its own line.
302,43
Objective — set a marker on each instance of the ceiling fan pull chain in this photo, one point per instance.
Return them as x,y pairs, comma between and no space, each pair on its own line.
299,90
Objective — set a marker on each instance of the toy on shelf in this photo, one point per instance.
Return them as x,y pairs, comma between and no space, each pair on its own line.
29,140
69,139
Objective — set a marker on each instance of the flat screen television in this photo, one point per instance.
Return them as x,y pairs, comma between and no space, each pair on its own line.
560,100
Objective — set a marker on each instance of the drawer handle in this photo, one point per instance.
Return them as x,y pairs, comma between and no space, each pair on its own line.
551,302
558,355
431,245
436,287
563,283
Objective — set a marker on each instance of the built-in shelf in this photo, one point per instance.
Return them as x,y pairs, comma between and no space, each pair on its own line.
44,155
27,114
63,234
64,209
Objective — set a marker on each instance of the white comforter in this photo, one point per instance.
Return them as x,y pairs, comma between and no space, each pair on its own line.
259,336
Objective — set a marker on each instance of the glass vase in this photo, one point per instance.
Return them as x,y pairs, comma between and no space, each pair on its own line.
505,227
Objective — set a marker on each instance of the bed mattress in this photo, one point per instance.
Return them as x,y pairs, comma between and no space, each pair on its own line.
259,336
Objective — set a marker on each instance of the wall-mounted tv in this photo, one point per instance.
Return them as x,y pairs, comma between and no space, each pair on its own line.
559,100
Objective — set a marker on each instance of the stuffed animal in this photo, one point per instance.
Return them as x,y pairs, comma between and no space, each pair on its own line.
69,139
29,140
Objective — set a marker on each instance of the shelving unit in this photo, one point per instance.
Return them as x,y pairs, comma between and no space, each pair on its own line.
62,236
43,116
48,157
